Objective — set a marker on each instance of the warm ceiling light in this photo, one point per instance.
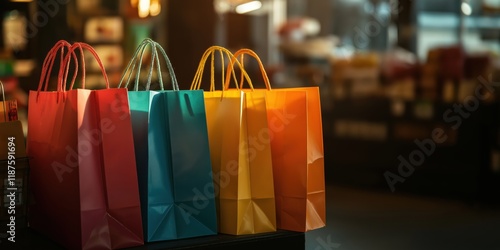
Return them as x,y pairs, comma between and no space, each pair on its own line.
143,8
155,8
146,8
21,1
248,7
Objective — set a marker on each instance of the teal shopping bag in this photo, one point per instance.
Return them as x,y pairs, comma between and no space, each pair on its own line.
172,153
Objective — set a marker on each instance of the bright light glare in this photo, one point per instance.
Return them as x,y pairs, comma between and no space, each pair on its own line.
466,9
155,8
247,7
143,8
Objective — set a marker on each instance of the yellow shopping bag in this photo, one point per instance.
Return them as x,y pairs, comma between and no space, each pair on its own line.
241,155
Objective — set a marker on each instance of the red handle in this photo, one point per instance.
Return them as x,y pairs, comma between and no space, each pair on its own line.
48,64
67,62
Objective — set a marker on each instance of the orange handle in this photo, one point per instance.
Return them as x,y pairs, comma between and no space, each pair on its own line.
243,52
196,83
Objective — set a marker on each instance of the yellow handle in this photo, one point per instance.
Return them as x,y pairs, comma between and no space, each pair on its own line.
241,53
196,83
4,101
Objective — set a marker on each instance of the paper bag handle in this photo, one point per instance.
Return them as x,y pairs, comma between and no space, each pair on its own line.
136,59
48,64
4,101
252,53
67,62
196,83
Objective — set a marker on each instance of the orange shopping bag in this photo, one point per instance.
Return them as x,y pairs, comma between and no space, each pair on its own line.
295,129
240,154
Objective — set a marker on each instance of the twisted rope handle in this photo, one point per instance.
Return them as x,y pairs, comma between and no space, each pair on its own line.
67,60
137,59
196,83
252,53
48,64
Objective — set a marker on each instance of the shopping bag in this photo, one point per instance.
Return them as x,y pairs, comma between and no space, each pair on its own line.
8,110
241,155
14,169
295,129
11,129
172,153
83,172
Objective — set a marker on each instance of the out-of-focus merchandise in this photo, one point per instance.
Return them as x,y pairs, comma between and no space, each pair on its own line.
365,130
428,82
299,28
448,74
357,76
490,7
398,74
9,81
11,70
8,117
8,111
14,31
451,74
6,67
107,29
317,47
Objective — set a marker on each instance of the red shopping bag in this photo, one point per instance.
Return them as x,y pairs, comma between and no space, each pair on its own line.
83,172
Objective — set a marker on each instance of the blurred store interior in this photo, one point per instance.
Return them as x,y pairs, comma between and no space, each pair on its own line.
409,94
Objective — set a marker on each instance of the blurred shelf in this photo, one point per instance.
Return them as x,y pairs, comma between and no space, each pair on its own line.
458,162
